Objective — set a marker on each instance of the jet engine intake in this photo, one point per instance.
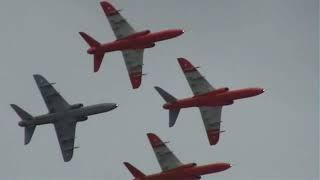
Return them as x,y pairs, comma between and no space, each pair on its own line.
76,106
137,34
82,118
186,166
22,123
144,46
216,91
228,103
221,90
150,45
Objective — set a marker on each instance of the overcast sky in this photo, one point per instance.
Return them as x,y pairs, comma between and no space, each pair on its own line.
237,43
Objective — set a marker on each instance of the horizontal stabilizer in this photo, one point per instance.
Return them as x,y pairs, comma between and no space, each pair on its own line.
91,42
134,171
173,115
97,62
166,96
22,113
28,133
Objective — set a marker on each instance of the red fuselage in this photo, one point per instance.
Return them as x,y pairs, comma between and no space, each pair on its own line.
219,97
190,171
139,40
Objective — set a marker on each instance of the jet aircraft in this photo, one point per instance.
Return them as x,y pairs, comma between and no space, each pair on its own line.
128,41
171,166
207,98
63,115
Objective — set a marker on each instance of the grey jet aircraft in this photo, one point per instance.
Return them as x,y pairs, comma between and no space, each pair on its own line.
63,115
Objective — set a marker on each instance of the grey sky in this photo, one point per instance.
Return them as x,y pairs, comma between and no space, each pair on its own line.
238,43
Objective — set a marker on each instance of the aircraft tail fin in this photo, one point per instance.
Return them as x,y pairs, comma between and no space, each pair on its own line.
91,42
165,95
28,131
134,171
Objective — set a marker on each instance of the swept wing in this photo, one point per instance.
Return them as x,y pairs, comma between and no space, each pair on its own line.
65,127
121,28
211,116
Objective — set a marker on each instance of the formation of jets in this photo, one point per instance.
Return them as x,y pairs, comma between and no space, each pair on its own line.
209,100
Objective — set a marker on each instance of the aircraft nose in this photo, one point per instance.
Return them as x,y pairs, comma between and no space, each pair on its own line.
179,31
225,166
111,106
229,165
261,90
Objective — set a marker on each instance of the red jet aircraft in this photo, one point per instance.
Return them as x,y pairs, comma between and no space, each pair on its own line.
172,168
129,42
208,99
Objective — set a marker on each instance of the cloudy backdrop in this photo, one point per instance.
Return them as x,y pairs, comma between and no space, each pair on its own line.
237,43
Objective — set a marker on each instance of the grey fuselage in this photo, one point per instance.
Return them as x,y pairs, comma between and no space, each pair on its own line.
78,114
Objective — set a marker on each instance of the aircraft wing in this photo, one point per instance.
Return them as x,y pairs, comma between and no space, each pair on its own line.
198,84
65,130
134,63
211,117
65,127
119,25
54,101
165,157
